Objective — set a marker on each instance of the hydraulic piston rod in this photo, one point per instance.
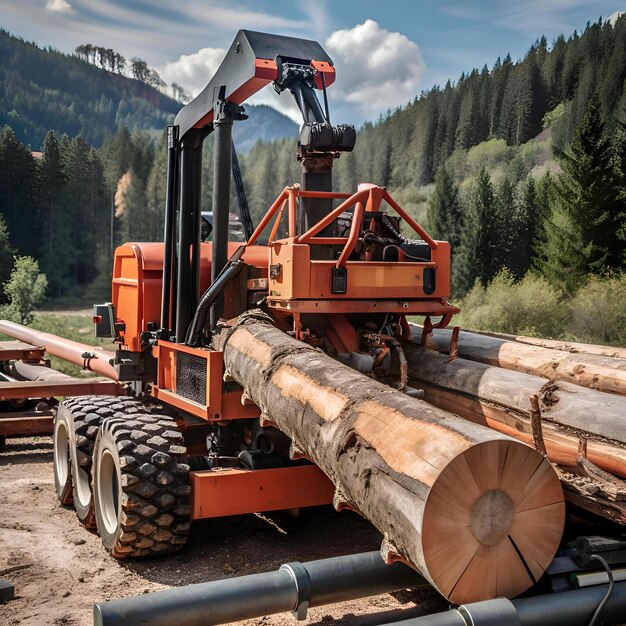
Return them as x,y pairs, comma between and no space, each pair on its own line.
294,587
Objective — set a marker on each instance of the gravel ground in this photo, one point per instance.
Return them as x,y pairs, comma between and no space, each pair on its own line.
60,569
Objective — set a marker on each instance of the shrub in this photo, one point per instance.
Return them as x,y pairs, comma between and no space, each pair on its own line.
531,306
25,290
598,310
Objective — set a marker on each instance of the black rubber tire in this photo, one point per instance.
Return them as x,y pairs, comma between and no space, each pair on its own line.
85,414
141,486
63,437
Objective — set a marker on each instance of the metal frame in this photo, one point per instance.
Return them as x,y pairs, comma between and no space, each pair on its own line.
220,492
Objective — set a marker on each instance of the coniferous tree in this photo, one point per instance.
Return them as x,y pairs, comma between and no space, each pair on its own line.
506,227
6,257
56,254
18,192
476,254
583,233
445,215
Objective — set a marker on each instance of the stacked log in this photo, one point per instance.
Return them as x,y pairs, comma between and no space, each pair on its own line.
476,512
593,371
580,430
566,346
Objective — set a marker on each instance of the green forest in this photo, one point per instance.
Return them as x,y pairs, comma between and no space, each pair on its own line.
521,166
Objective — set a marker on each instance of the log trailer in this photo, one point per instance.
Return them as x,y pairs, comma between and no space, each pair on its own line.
270,374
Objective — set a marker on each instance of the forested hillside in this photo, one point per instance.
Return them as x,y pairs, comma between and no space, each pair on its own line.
43,89
522,167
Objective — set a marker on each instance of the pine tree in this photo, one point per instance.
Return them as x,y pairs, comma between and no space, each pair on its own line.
477,253
506,227
445,216
56,254
6,257
583,233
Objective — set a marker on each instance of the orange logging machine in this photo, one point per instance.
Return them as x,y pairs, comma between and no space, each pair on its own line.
340,271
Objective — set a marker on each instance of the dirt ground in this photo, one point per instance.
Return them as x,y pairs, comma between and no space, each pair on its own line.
60,569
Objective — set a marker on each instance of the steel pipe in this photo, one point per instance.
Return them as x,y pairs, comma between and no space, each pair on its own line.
294,587
222,159
98,361
569,608
31,371
169,234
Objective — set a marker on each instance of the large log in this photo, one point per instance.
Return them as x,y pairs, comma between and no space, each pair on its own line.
477,513
575,421
596,372
554,344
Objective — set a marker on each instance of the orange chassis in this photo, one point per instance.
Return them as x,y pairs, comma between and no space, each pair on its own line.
294,284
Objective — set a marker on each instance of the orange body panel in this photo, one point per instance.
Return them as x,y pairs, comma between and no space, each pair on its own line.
265,71
301,278
137,283
218,405
223,492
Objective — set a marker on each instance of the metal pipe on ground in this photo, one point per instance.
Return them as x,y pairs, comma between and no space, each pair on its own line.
98,360
31,371
570,608
294,587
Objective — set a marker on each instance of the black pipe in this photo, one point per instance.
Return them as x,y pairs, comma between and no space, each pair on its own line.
317,175
196,221
569,608
244,208
188,224
294,587
169,234
222,160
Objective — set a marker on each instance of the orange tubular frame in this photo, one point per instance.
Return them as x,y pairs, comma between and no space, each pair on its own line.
366,200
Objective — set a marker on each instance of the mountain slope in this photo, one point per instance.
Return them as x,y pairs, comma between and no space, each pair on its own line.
264,123
43,89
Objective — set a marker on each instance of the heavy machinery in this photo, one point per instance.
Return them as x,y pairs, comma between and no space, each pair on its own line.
215,417
332,269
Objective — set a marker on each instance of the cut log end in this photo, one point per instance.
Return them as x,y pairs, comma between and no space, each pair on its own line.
492,522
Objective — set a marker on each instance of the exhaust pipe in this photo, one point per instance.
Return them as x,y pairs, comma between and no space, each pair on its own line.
294,587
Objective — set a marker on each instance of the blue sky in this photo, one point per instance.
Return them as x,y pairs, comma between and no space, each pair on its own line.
385,52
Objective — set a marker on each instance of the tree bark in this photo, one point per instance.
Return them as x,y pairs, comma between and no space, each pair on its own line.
570,415
477,513
596,372
566,346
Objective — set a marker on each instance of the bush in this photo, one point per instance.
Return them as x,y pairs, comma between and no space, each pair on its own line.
25,290
531,306
598,311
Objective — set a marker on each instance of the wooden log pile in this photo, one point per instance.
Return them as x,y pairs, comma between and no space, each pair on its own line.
589,370
476,512
581,430
566,346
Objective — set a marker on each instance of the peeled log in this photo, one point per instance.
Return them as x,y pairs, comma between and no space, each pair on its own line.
596,372
500,399
477,513
554,344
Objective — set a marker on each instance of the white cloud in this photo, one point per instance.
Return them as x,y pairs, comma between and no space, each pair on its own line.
376,69
59,6
193,71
